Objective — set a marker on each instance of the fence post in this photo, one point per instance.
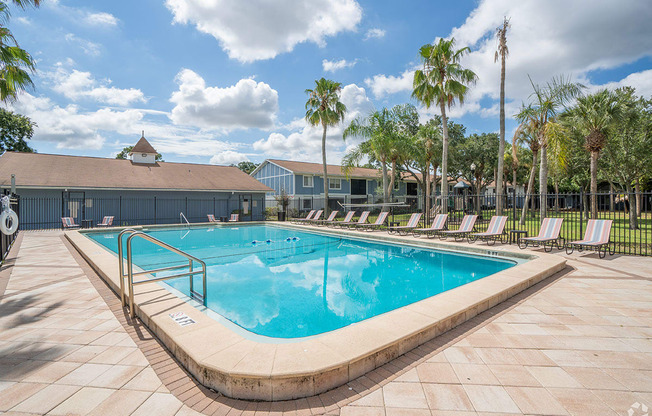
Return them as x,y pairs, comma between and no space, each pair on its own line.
581,211
120,210
155,221
514,207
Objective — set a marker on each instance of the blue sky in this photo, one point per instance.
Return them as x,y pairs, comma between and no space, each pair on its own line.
222,81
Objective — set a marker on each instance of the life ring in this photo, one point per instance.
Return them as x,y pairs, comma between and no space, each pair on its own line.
8,222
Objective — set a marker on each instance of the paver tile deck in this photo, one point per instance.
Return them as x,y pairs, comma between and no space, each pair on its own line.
579,343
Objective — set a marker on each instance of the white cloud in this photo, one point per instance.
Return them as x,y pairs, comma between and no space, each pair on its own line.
24,20
260,29
641,81
228,157
89,48
305,144
545,39
244,105
100,19
374,33
332,66
382,85
76,85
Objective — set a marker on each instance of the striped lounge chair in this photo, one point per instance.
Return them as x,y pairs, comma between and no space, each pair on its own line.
308,217
316,217
597,237
234,218
364,215
68,223
347,220
380,221
211,218
548,236
466,227
330,218
495,231
438,225
405,229
107,221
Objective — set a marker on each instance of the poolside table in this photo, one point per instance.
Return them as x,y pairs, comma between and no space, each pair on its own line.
515,235
87,223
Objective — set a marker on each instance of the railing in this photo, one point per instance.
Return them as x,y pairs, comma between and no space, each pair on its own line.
6,241
183,218
130,272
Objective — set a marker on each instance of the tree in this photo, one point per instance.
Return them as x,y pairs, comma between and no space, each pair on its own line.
627,153
593,116
125,152
527,133
380,131
546,102
15,63
15,130
474,158
246,166
442,81
324,108
502,52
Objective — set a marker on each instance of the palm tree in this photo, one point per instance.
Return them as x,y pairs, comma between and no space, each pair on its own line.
546,102
502,52
526,133
15,63
324,107
380,130
593,116
442,81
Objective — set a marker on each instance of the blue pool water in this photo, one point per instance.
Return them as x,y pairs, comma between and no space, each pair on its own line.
309,284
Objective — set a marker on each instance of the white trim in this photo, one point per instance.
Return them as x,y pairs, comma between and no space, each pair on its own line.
312,181
89,188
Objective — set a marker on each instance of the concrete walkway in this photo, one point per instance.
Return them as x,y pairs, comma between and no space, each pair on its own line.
579,343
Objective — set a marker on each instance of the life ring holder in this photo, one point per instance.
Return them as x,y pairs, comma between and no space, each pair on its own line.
8,218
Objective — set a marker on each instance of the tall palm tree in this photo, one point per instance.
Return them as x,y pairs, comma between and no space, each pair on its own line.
526,133
380,131
546,103
15,63
502,52
324,107
442,81
593,116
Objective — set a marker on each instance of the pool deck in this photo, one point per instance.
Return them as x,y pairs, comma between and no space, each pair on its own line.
245,367
579,342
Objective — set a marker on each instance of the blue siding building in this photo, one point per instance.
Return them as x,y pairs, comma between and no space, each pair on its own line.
305,183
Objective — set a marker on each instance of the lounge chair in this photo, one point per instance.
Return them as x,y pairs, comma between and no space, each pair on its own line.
495,231
211,218
360,222
597,237
438,225
347,220
309,216
405,229
316,217
330,218
234,218
548,236
466,227
107,221
68,223
380,221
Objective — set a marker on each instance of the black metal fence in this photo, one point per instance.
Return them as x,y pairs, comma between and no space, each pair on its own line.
7,240
631,214
46,213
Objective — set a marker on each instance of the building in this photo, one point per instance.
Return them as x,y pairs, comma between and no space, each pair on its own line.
304,182
138,190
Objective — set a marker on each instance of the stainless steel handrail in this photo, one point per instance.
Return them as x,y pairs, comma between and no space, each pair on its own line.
130,273
181,216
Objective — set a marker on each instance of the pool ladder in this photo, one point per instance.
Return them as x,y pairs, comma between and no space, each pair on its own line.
130,272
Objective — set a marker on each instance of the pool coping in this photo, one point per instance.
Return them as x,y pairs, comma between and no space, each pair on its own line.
242,368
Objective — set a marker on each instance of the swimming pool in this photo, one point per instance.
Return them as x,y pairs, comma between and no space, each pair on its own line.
286,283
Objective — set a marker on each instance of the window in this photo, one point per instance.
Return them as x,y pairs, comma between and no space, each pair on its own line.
397,185
307,204
335,184
307,181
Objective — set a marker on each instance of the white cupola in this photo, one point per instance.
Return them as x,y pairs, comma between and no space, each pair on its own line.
143,152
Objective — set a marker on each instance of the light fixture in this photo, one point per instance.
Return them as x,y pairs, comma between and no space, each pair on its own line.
473,167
